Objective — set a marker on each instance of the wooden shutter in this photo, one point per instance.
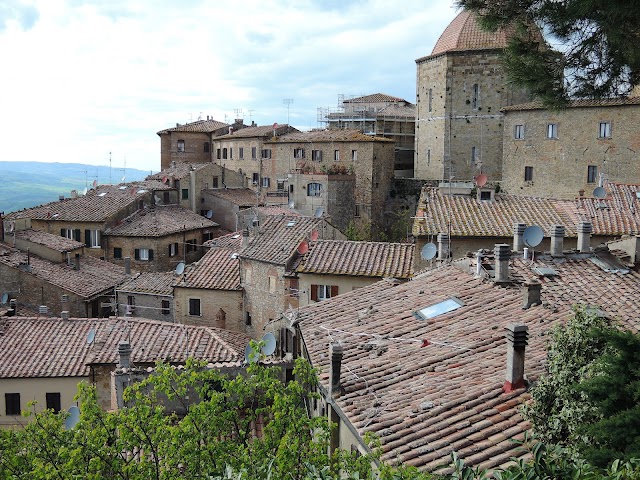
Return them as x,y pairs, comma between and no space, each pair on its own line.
314,293
87,238
76,234
136,254
151,257
334,291
63,232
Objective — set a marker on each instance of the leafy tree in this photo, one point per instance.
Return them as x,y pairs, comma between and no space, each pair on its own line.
597,55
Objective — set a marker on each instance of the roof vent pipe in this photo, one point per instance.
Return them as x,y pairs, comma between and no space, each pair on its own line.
479,263
584,234
502,253
335,353
518,239
557,240
516,335
443,246
124,354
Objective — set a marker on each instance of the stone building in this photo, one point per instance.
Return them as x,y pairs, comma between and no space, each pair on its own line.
378,115
558,153
461,87
148,295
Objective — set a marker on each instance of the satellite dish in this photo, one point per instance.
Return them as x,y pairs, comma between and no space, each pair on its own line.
95,183
5,298
428,251
209,213
275,126
157,199
269,346
165,179
303,247
250,355
292,204
314,235
123,179
532,236
73,418
599,192
179,268
132,191
91,336
319,212
84,192
481,180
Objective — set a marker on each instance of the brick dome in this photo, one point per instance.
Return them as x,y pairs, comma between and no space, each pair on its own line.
465,33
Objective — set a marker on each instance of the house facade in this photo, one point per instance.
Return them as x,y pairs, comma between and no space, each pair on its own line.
147,295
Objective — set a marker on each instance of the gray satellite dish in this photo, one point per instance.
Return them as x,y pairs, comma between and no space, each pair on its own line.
5,298
269,346
90,336
250,355
179,268
292,204
84,192
428,251
73,418
319,212
599,192
209,213
532,236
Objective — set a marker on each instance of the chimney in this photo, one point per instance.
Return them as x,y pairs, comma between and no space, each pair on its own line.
518,240
502,253
443,246
245,238
64,315
60,198
335,353
77,265
531,293
127,265
192,190
43,310
124,354
516,342
557,240
584,234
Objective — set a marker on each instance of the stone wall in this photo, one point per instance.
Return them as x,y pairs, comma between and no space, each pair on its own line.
211,302
194,150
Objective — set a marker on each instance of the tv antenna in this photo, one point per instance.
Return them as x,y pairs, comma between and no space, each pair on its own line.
287,102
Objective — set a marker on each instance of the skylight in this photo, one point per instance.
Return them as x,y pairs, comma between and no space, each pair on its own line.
291,224
440,308
102,194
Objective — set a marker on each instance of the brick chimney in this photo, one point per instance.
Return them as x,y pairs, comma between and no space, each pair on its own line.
584,236
124,354
518,240
531,293
502,253
557,240
335,354
443,246
516,335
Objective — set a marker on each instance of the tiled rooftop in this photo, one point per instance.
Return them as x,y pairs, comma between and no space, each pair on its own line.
262,131
329,136
616,214
49,240
398,111
52,347
94,277
243,197
584,103
370,259
154,283
203,126
218,269
160,221
376,98
178,171
96,206
231,240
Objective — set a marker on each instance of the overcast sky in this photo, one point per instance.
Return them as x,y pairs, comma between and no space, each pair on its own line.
80,79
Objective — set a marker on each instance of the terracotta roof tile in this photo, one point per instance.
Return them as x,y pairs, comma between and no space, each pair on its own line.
54,242
178,171
342,135
154,283
160,221
376,98
262,131
203,126
231,240
371,259
243,197
218,269
581,103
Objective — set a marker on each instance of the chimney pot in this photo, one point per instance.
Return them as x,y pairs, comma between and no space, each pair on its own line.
584,234
77,264
517,335
443,246
557,240
502,253
518,240
531,293
124,354
245,237
336,354
64,315
127,265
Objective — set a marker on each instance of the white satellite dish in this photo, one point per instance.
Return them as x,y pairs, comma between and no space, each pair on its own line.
250,355
5,298
157,199
292,204
84,192
73,418
209,213
532,236
319,212
599,192
269,346
179,268
428,251
91,336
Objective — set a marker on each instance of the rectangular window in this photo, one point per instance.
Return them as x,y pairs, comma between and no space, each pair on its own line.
131,304
552,130
181,146
185,194
357,212
53,401
191,245
354,155
67,233
592,174
441,308
224,153
206,147
117,252
475,100
473,159
143,254
518,132
214,182
194,307
165,307
255,178
266,153
314,189
605,130
280,186
323,292
219,153
230,152
92,238
241,153
173,249
12,403
428,156
253,152
298,153
336,155
266,182
247,318
528,174
430,99
316,155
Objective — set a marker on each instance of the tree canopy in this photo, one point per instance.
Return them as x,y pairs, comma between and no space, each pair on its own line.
592,50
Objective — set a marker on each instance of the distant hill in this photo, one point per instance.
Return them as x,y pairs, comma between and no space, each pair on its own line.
27,184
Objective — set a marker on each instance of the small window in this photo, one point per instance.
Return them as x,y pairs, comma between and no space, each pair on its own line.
298,153
12,403
194,307
117,252
314,189
206,147
518,132
440,308
166,198
336,155
173,249
181,146
253,153
53,401
165,307
241,153
357,211
224,153
428,156
605,130
266,182
92,238
528,174
191,245
230,152
214,182
219,153
185,194
255,178
552,130
67,233
475,100
266,153
592,174
325,292
280,185
474,156
430,99
247,318
354,155
316,155
143,254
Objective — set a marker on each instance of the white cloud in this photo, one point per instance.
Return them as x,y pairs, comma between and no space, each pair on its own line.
84,78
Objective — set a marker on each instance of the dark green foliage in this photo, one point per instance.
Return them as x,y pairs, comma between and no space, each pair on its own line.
591,49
